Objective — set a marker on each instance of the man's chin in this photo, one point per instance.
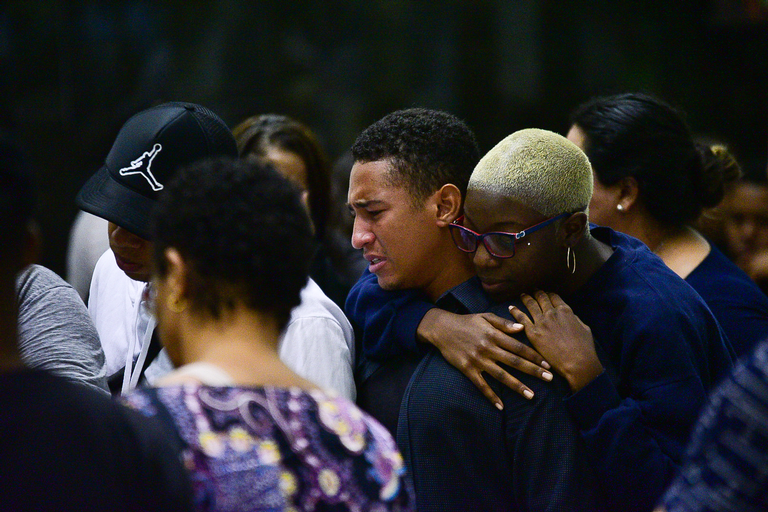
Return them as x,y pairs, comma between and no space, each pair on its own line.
136,271
499,291
138,276
386,284
389,282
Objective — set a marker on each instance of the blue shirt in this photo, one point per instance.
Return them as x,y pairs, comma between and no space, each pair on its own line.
667,351
737,302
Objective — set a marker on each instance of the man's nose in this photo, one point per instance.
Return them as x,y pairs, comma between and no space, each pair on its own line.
483,259
123,238
361,234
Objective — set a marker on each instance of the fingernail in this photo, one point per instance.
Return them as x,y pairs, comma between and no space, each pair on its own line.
500,406
546,376
528,394
545,364
517,326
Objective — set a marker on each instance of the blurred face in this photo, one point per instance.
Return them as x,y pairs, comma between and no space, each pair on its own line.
399,240
290,165
602,207
133,254
746,220
538,262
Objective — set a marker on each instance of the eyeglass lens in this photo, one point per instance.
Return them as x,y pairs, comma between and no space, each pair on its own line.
499,245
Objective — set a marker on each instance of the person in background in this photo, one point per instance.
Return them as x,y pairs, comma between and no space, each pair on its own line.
66,447
232,250
352,263
745,226
295,152
56,332
652,182
711,221
149,148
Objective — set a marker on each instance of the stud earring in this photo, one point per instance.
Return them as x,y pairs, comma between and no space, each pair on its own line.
620,207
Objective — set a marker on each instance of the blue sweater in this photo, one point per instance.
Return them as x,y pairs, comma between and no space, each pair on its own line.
661,346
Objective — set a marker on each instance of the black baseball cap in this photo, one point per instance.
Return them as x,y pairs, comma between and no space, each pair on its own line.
149,148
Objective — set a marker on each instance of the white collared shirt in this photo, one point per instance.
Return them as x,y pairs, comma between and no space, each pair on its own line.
318,343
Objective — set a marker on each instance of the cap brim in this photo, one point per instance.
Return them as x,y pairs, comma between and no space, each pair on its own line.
106,198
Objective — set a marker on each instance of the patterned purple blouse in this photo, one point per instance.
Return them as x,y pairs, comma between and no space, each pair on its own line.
278,449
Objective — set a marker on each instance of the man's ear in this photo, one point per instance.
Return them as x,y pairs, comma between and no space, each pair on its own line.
448,202
574,228
629,193
178,271
32,244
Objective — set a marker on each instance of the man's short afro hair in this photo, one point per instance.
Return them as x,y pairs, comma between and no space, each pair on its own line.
426,148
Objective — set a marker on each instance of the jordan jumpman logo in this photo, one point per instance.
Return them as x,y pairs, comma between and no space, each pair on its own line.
137,167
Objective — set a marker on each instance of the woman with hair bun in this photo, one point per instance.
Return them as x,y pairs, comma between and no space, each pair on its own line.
652,181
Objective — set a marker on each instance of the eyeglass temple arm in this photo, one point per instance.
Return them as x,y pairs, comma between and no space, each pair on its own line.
540,225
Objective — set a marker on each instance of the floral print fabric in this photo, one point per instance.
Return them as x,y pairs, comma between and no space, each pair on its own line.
276,449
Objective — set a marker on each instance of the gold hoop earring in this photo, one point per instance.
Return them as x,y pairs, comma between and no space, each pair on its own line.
177,305
568,260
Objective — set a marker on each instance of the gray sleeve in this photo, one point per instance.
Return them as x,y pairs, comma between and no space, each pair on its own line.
56,332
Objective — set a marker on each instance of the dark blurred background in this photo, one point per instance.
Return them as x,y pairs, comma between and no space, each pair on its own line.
72,72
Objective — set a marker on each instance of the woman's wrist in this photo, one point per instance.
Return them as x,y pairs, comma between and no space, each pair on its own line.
426,329
583,374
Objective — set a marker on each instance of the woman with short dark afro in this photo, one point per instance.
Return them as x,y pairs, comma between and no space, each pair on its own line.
232,250
652,181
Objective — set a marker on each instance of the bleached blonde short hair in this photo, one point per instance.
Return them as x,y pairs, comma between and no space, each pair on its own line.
537,168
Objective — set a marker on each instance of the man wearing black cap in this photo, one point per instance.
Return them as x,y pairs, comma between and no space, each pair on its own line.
65,446
318,343
149,149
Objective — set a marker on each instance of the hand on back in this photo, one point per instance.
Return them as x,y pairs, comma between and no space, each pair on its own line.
560,337
479,343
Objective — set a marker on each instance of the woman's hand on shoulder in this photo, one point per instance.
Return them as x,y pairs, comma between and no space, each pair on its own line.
479,343
560,337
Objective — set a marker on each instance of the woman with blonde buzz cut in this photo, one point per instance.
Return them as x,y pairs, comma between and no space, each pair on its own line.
638,348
